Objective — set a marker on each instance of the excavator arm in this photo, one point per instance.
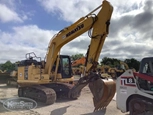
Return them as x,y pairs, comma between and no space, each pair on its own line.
98,24
102,90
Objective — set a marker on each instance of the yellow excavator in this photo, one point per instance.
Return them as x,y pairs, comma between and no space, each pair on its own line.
46,80
117,71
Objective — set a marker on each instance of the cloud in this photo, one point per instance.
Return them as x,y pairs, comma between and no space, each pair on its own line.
7,15
22,40
130,31
13,11
10,3
66,8
73,10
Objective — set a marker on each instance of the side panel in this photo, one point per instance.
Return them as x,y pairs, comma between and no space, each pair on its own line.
28,72
126,86
20,73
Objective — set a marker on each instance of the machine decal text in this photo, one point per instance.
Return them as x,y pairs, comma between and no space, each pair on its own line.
127,81
123,91
79,27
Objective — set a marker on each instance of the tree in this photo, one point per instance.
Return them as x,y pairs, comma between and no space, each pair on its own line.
8,66
76,56
132,63
112,62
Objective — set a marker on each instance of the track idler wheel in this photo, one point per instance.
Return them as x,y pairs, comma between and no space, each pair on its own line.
103,91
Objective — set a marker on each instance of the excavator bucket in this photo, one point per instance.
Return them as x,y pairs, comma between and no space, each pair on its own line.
103,91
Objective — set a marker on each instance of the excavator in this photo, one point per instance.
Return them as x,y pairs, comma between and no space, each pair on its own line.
7,78
117,71
3,76
78,62
106,70
46,80
135,89
78,66
78,70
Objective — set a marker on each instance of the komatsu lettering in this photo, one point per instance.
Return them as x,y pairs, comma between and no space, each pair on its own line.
79,27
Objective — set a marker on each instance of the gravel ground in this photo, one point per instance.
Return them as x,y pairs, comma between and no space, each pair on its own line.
82,106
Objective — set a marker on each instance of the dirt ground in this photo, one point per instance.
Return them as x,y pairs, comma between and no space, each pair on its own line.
82,106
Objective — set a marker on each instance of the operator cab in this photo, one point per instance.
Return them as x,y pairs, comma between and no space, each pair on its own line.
64,67
146,67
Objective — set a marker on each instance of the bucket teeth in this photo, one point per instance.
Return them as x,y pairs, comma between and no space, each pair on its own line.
103,91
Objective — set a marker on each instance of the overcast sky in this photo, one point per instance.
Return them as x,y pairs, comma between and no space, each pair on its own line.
28,25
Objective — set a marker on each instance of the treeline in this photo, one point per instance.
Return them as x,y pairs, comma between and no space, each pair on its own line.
112,62
8,66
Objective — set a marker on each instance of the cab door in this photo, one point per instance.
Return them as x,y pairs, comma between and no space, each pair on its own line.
65,64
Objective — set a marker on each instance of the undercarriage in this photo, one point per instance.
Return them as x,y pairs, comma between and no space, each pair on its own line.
140,105
46,93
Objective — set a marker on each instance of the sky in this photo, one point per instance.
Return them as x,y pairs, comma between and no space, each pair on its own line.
29,25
